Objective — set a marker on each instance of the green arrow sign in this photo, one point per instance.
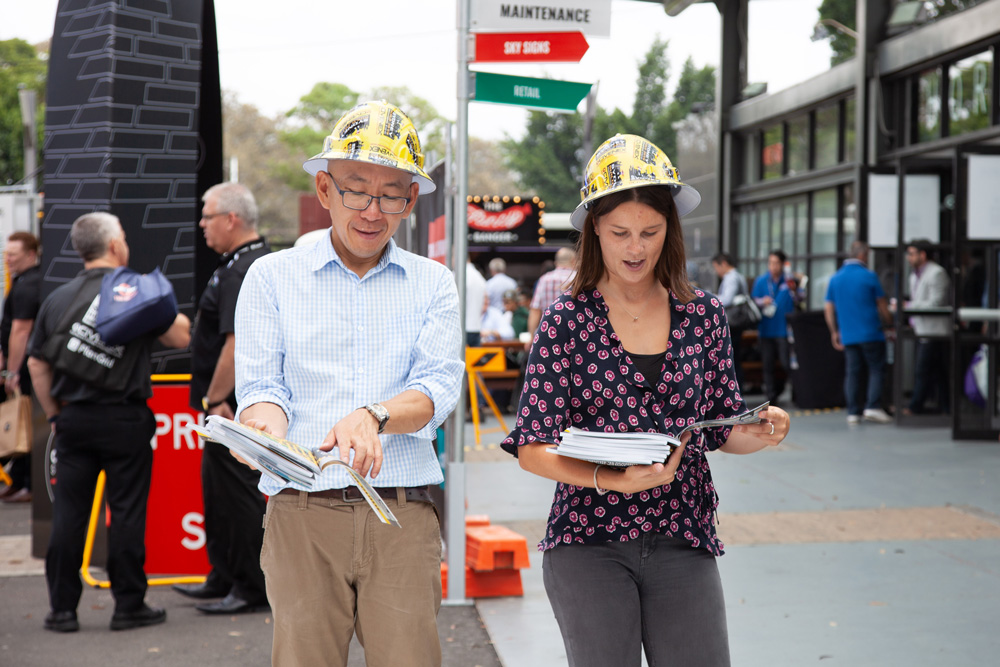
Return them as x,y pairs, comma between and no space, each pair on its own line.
526,91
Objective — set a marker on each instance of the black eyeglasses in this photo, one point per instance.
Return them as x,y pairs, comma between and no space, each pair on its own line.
359,201
213,215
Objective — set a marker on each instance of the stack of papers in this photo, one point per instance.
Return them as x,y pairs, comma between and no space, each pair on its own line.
285,461
616,449
638,448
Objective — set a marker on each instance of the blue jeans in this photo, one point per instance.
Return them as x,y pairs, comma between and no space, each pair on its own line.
858,356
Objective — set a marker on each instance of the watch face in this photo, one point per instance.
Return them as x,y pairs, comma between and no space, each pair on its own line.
380,413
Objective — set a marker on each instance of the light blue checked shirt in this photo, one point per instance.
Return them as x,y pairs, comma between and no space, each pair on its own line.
316,340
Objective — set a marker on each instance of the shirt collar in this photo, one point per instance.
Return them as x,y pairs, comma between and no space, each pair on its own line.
854,262
323,253
224,259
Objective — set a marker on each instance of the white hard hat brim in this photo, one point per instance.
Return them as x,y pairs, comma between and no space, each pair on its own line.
686,199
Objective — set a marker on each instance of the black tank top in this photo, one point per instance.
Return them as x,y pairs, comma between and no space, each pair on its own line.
650,365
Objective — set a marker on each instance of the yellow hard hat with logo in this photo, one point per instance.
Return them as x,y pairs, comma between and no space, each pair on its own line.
628,161
377,133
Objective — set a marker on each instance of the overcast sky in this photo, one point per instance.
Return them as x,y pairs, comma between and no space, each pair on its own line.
272,52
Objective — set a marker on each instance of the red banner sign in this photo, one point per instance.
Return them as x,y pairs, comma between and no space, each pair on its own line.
175,518
530,47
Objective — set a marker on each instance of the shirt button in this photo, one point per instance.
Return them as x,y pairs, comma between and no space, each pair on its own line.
361,371
360,328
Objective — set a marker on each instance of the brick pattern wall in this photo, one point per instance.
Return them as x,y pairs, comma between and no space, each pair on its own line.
122,136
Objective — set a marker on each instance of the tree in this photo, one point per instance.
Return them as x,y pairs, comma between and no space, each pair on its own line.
549,160
845,12
487,174
20,63
262,157
317,112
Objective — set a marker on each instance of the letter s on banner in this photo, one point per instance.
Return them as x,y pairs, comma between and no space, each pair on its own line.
193,524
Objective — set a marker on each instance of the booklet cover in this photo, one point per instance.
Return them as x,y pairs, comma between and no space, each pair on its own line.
285,461
636,448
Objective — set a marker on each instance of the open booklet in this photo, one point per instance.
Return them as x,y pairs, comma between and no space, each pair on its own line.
639,447
284,461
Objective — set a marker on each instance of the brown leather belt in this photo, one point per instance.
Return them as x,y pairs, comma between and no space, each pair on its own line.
352,494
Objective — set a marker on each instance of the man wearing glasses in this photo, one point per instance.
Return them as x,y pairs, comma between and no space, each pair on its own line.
354,344
234,507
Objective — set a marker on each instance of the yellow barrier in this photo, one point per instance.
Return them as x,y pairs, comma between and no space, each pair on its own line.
88,549
483,359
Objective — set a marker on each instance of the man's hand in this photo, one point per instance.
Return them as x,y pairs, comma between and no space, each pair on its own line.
357,431
12,382
223,410
835,340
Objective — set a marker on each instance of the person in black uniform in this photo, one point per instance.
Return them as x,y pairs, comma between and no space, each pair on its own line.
234,508
94,395
19,311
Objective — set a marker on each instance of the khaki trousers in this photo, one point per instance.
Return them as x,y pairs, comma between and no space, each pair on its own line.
332,570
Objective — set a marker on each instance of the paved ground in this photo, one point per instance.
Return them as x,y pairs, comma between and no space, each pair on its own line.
863,546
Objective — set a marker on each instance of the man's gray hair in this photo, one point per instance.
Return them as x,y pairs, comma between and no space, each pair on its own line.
497,265
566,257
859,248
92,233
235,198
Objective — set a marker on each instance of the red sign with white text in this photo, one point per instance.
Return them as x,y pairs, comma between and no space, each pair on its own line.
175,519
511,222
530,47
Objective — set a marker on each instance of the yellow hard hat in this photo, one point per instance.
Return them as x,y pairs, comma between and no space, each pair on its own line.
378,133
628,161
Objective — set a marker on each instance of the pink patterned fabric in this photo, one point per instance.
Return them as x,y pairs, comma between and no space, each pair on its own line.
579,375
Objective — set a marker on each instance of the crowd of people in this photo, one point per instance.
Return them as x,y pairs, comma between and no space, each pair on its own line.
615,338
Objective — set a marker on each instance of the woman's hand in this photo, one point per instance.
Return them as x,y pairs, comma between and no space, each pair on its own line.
772,428
639,478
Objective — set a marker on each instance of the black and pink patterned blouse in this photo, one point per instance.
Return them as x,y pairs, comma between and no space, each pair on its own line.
579,375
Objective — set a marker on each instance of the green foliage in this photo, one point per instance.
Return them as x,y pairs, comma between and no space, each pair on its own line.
317,112
20,63
845,12
550,160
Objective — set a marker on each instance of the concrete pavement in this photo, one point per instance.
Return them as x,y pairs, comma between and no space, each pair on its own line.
868,545
863,546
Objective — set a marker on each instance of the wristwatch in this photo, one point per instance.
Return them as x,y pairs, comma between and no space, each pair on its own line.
380,414
206,406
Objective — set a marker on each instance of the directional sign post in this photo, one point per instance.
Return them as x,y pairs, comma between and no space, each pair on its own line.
533,47
528,92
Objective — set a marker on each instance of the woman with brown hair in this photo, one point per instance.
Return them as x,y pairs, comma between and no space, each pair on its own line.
630,553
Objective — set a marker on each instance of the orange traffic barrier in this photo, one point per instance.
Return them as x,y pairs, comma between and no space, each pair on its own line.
477,520
495,548
493,584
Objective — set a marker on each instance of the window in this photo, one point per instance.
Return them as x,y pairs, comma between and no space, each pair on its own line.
773,152
798,145
849,132
820,272
827,136
849,229
824,222
969,93
751,158
928,85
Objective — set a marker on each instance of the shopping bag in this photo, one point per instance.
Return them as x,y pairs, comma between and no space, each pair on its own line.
133,304
15,425
976,378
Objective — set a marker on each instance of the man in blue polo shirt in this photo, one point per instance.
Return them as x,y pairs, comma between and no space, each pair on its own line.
776,294
855,310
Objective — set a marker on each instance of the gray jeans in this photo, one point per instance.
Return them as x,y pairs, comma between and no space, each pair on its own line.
655,593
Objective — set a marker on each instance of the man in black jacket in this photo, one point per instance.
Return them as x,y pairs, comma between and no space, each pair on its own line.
234,508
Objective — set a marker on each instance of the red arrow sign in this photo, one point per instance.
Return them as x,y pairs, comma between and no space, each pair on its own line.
530,47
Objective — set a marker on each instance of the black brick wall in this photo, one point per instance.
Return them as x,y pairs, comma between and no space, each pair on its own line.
126,133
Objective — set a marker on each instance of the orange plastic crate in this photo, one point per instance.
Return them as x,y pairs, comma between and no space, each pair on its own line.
492,584
495,548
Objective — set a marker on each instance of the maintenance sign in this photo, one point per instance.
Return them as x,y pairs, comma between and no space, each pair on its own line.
591,17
